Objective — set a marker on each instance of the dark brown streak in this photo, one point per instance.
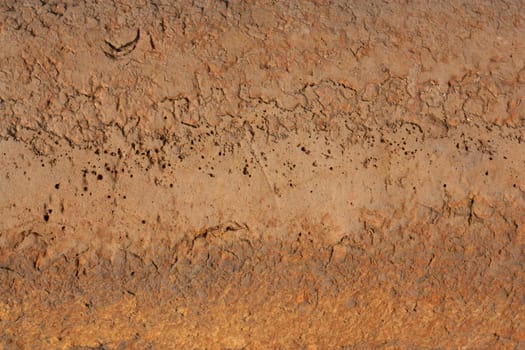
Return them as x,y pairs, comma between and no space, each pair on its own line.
124,49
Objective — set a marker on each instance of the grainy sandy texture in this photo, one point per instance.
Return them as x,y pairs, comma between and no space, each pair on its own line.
259,175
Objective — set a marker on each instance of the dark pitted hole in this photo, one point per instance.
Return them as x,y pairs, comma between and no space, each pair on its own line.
100,177
143,222
46,217
57,186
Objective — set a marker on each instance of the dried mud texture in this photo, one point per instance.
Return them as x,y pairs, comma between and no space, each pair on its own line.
262,175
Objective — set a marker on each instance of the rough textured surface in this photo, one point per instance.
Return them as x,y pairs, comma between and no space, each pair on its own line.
245,175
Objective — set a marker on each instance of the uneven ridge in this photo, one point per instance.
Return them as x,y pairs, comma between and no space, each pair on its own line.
254,175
